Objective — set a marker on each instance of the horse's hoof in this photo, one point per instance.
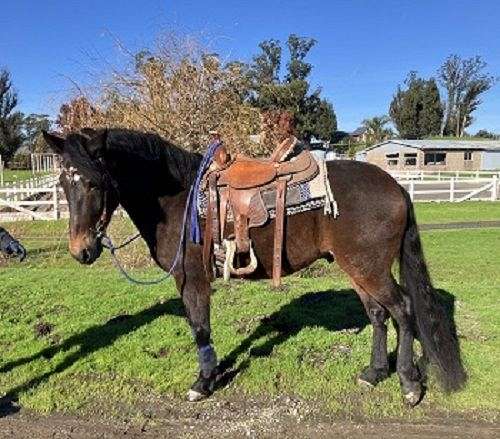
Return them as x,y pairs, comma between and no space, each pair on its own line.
412,398
364,383
370,377
194,396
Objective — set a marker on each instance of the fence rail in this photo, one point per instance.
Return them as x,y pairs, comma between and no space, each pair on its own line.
43,198
51,205
443,175
18,190
453,190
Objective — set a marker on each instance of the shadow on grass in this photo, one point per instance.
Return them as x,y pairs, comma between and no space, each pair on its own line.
333,310
88,341
52,250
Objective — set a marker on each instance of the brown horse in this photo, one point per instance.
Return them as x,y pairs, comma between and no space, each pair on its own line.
151,179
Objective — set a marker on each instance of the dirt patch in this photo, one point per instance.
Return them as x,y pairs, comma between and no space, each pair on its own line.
43,329
278,417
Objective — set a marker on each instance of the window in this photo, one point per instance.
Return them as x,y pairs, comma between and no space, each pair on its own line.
392,159
411,159
435,158
467,155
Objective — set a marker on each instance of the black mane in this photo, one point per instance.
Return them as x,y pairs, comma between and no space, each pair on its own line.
149,148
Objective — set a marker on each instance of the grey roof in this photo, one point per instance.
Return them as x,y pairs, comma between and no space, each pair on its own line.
480,145
358,131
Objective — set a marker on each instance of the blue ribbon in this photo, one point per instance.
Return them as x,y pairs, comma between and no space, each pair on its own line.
194,223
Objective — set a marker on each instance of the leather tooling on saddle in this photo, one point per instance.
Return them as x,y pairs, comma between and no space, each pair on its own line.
247,192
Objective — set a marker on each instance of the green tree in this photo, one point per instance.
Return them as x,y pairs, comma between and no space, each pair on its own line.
299,47
485,134
313,115
266,65
464,81
34,124
376,129
11,121
417,110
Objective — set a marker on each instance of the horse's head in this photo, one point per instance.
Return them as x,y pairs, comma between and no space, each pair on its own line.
90,191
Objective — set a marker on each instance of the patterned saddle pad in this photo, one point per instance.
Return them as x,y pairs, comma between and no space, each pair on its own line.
302,197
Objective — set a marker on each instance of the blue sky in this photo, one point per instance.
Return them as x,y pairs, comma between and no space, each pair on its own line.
365,47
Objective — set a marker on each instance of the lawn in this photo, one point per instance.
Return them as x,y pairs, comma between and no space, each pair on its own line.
10,176
430,213
74,338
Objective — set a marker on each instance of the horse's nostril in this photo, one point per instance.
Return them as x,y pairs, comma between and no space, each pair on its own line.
85,255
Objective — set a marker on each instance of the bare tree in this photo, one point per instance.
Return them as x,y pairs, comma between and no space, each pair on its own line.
178,89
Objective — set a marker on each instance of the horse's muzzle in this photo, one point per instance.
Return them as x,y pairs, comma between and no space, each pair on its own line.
85,250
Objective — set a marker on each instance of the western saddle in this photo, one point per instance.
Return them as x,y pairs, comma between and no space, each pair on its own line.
235,188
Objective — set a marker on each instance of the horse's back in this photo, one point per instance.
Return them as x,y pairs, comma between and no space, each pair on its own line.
372,218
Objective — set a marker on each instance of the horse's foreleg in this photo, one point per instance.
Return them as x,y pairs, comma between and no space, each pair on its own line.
378,369
196,299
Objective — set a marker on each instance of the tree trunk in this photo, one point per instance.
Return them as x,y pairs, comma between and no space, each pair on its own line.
444,121
464,121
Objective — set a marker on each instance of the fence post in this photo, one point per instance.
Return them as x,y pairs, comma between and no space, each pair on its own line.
55,194
494,189
452,189
412,189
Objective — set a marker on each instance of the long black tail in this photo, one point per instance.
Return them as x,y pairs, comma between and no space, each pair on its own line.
434,328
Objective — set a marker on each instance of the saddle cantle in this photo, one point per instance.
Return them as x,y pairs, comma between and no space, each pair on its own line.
235,193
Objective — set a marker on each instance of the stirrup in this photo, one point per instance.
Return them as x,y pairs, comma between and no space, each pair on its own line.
229,269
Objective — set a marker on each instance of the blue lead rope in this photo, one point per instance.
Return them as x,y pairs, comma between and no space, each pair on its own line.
194,223
191,210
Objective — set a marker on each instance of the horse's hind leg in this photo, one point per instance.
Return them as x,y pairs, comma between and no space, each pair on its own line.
387,292
378,369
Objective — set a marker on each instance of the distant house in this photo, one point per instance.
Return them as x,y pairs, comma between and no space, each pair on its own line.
359,135
442,155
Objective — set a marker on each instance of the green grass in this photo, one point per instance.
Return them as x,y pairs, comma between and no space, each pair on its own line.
10,176
429,213
113,343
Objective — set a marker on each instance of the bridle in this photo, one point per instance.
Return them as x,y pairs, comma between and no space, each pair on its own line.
110,185
190,210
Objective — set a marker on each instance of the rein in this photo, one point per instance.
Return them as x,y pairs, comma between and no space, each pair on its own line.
108,244
191,211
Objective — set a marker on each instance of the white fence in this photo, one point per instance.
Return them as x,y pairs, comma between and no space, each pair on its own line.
35,198
43,198
443,175
15,190
44,163
453,189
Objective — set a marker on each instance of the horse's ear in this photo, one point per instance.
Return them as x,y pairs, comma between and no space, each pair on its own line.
97,144
55,141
